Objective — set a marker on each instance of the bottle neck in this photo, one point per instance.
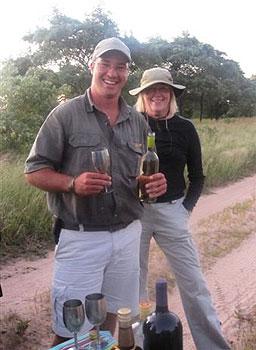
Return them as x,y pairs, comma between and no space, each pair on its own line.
161,297
151,142
126,337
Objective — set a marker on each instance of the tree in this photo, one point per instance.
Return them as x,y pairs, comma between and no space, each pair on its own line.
213,82
24,103
70,41
208,75
58,69
76,77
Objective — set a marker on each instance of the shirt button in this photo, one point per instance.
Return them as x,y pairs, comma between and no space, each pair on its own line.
115,215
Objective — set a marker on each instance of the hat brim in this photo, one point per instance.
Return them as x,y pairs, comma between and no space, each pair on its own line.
128,57
177,89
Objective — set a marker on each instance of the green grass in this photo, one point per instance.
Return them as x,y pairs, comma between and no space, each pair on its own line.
25,221
228,148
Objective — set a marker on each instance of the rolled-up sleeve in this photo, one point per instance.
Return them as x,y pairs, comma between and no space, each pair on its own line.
47,150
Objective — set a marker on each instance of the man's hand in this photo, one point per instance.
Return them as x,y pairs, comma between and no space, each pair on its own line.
156,184
87,184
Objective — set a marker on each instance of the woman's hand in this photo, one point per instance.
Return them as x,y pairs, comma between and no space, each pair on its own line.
156,184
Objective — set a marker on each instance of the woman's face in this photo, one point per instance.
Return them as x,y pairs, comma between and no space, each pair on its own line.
157,99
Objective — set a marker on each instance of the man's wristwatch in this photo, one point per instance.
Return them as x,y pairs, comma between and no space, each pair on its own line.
71,185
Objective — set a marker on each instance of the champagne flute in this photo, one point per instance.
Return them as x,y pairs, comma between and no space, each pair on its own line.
101,162
95,308
73,317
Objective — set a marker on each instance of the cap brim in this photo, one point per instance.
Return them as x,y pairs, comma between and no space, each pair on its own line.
107,50
178,89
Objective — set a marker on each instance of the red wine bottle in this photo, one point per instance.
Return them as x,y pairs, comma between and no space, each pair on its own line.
162,329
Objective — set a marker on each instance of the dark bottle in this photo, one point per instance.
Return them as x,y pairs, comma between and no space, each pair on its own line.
125,332
149,166
162,329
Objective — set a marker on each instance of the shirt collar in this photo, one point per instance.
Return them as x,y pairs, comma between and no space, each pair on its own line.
125,111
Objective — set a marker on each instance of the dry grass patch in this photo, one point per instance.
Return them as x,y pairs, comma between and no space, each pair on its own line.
13,331
220,233
32,332
246,335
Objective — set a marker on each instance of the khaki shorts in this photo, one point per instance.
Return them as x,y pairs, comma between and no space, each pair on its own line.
96,262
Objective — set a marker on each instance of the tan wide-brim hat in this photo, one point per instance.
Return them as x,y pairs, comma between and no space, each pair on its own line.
155,76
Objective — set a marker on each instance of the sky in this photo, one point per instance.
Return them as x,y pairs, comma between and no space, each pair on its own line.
227,25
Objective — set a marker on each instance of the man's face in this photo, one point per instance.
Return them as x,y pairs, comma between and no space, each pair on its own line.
109,74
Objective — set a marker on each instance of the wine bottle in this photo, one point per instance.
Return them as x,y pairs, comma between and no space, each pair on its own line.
162,329
125,332
137,326
149,166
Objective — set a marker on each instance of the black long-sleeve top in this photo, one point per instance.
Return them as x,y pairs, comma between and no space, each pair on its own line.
178,145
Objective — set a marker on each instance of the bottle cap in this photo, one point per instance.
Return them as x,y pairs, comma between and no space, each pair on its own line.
124,314
161,292
161,282
144,309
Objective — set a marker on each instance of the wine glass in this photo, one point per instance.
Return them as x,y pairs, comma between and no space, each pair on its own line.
73,317
95,308
101,162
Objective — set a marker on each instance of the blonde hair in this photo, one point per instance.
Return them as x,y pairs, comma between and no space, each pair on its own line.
140,106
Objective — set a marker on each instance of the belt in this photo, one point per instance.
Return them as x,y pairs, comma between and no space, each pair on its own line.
82,227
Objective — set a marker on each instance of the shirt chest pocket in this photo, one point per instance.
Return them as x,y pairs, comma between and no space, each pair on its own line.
79,149
132,153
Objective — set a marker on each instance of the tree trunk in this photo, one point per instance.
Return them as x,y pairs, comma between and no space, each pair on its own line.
201,106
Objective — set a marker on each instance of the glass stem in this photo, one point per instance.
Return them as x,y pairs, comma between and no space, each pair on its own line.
98,337
75,338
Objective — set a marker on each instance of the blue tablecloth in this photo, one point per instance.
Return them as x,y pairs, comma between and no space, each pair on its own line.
85,339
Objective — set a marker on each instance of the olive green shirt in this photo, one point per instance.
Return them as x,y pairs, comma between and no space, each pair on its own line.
64,143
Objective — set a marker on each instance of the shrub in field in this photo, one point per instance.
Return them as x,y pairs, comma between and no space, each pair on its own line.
25,101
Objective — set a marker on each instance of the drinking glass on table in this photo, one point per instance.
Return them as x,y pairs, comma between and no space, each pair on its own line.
95,309
101,162
73,317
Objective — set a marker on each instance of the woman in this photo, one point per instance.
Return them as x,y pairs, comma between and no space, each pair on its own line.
178,145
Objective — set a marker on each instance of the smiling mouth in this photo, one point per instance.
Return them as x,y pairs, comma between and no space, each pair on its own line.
157,101
109,82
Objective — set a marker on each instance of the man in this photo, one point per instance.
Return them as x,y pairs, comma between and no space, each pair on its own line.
98,248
